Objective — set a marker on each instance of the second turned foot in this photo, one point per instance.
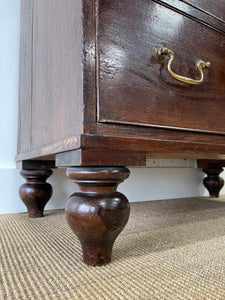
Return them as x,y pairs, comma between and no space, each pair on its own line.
36,192
213,182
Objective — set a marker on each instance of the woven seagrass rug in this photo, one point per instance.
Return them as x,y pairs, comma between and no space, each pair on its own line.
172,249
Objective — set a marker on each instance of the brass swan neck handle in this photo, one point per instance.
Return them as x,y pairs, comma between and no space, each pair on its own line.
161,53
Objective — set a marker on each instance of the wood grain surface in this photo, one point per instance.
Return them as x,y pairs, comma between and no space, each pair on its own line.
135,89
51,88
90,89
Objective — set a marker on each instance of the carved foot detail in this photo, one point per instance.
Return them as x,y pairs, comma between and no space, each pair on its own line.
98,213
213,182
36,192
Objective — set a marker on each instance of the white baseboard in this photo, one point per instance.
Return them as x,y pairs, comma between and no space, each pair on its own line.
9,190
149,184
9,186
144,184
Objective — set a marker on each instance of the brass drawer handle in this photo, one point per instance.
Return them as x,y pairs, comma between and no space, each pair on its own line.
160,54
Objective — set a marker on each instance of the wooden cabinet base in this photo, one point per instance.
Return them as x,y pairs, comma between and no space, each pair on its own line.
98,213
36,192
213,182
92,94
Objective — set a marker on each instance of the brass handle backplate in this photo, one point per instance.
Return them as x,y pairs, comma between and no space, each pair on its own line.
161,53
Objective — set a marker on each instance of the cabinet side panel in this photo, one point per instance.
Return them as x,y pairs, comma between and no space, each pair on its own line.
25,72
57,72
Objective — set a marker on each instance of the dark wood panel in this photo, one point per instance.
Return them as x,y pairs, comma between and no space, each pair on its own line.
100,157
35,165
57,72
90,62
158,147
103,151
210,163
214,8
25,74
118,130
202,12
134,89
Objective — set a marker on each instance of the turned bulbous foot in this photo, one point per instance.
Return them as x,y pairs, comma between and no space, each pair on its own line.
36,192
98,213
213,182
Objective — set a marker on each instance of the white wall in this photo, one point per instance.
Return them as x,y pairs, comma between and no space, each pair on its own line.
144,183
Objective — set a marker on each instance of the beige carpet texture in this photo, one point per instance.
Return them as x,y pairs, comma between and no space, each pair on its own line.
171,249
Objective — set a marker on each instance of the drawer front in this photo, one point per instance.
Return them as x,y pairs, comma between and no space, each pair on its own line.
135,89
214,8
